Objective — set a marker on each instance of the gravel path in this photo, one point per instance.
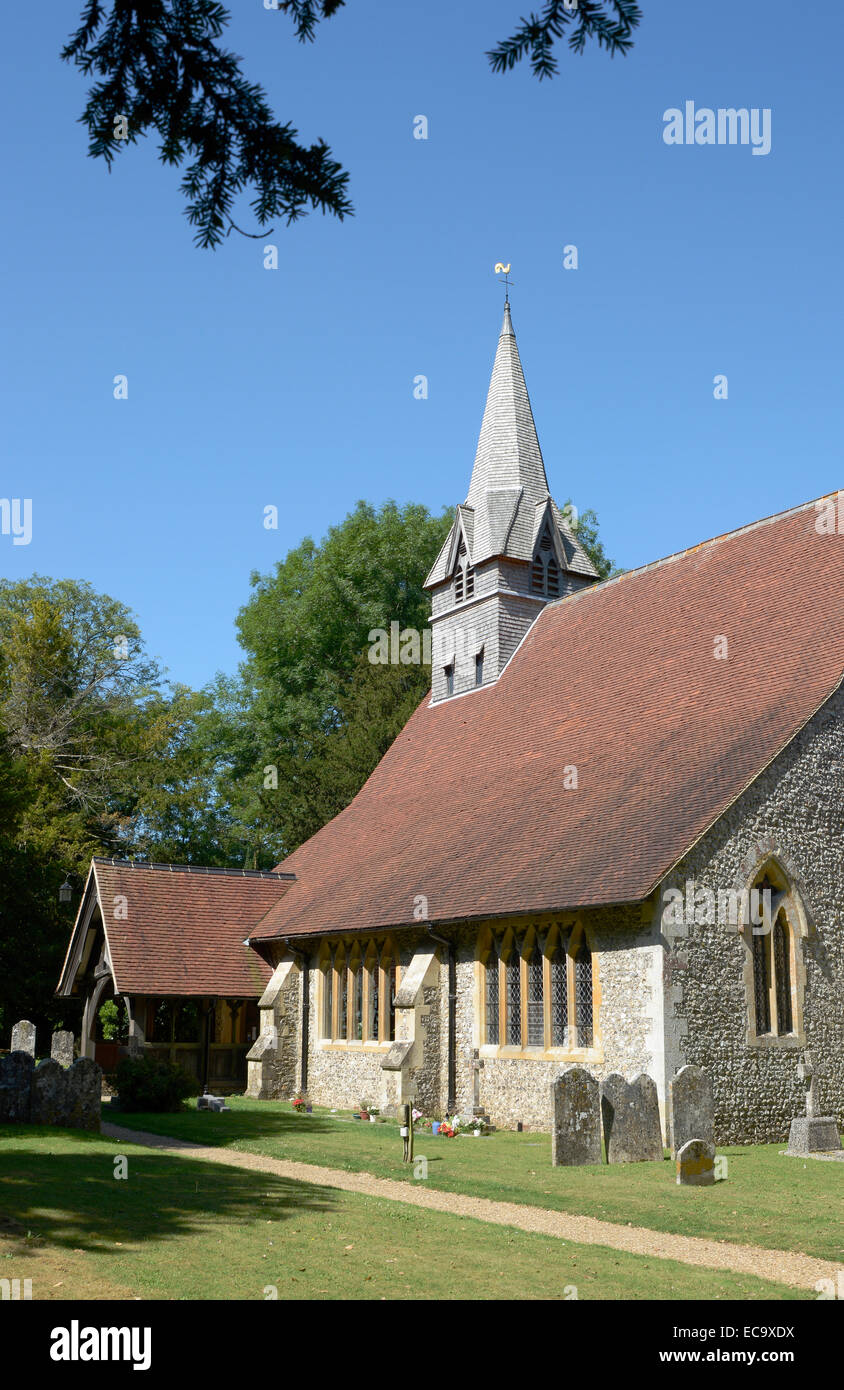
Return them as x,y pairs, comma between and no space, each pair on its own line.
780,1266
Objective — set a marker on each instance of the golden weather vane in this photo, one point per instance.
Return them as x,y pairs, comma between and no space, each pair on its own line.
506,271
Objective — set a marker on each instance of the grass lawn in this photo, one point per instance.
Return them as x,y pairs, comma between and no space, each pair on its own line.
782,1203
176,1228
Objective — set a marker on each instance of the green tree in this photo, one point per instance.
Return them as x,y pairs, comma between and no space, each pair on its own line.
87,724
160,67
312,716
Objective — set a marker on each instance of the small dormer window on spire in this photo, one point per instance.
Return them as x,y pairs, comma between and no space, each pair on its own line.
544,570
464,576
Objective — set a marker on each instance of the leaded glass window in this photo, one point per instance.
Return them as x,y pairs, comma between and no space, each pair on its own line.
491,979
761,984
513,975
782,975
559,995
357,1002
535,999
343,999
327,998
372,1002
391,1001
583,995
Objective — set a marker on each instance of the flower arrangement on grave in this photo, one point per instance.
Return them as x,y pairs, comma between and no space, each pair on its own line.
298,1103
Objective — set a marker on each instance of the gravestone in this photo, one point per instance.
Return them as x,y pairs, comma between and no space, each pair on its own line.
61,1048
85,1086
691,1108
812,1133
696,1163
16,1070
576,1119
50,1094
23,1037
630,1112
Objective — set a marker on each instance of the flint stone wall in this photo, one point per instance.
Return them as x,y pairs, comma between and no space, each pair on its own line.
796,810
341,1075
629,1017
50,1094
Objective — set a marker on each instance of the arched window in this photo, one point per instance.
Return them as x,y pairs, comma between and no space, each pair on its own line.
761,984
479,667
491,970
535,997
775,1002
583,994
782,973
545,576
464,576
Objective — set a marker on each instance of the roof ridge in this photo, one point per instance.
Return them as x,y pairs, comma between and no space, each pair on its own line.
678,554
192,868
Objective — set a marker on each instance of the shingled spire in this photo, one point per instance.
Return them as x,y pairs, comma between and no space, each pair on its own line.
508,453
509,549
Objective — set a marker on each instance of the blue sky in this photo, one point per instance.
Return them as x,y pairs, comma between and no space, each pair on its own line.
294,387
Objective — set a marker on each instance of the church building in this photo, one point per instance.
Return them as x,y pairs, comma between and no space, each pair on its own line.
611,835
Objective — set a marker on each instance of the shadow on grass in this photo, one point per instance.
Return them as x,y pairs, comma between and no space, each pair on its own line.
71,1197
212,1128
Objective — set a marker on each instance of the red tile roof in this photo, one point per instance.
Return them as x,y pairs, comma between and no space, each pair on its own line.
185,927
469,806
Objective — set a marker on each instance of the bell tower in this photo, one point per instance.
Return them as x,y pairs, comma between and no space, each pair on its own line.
509,551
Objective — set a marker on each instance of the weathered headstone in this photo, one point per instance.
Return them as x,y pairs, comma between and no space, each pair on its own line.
16,1070
85,1086
50,1094
696,1163
630,1112
812,1133
691,1108
576,1119
61,1048
23,1037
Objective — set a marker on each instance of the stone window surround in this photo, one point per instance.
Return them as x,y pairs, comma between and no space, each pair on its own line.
771,863
375,959
576,932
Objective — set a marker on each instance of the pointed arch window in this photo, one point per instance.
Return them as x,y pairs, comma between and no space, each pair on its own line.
761,985
464,576
545,574
782,973
775,1001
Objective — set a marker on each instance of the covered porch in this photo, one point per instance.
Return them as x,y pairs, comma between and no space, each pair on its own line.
167,945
